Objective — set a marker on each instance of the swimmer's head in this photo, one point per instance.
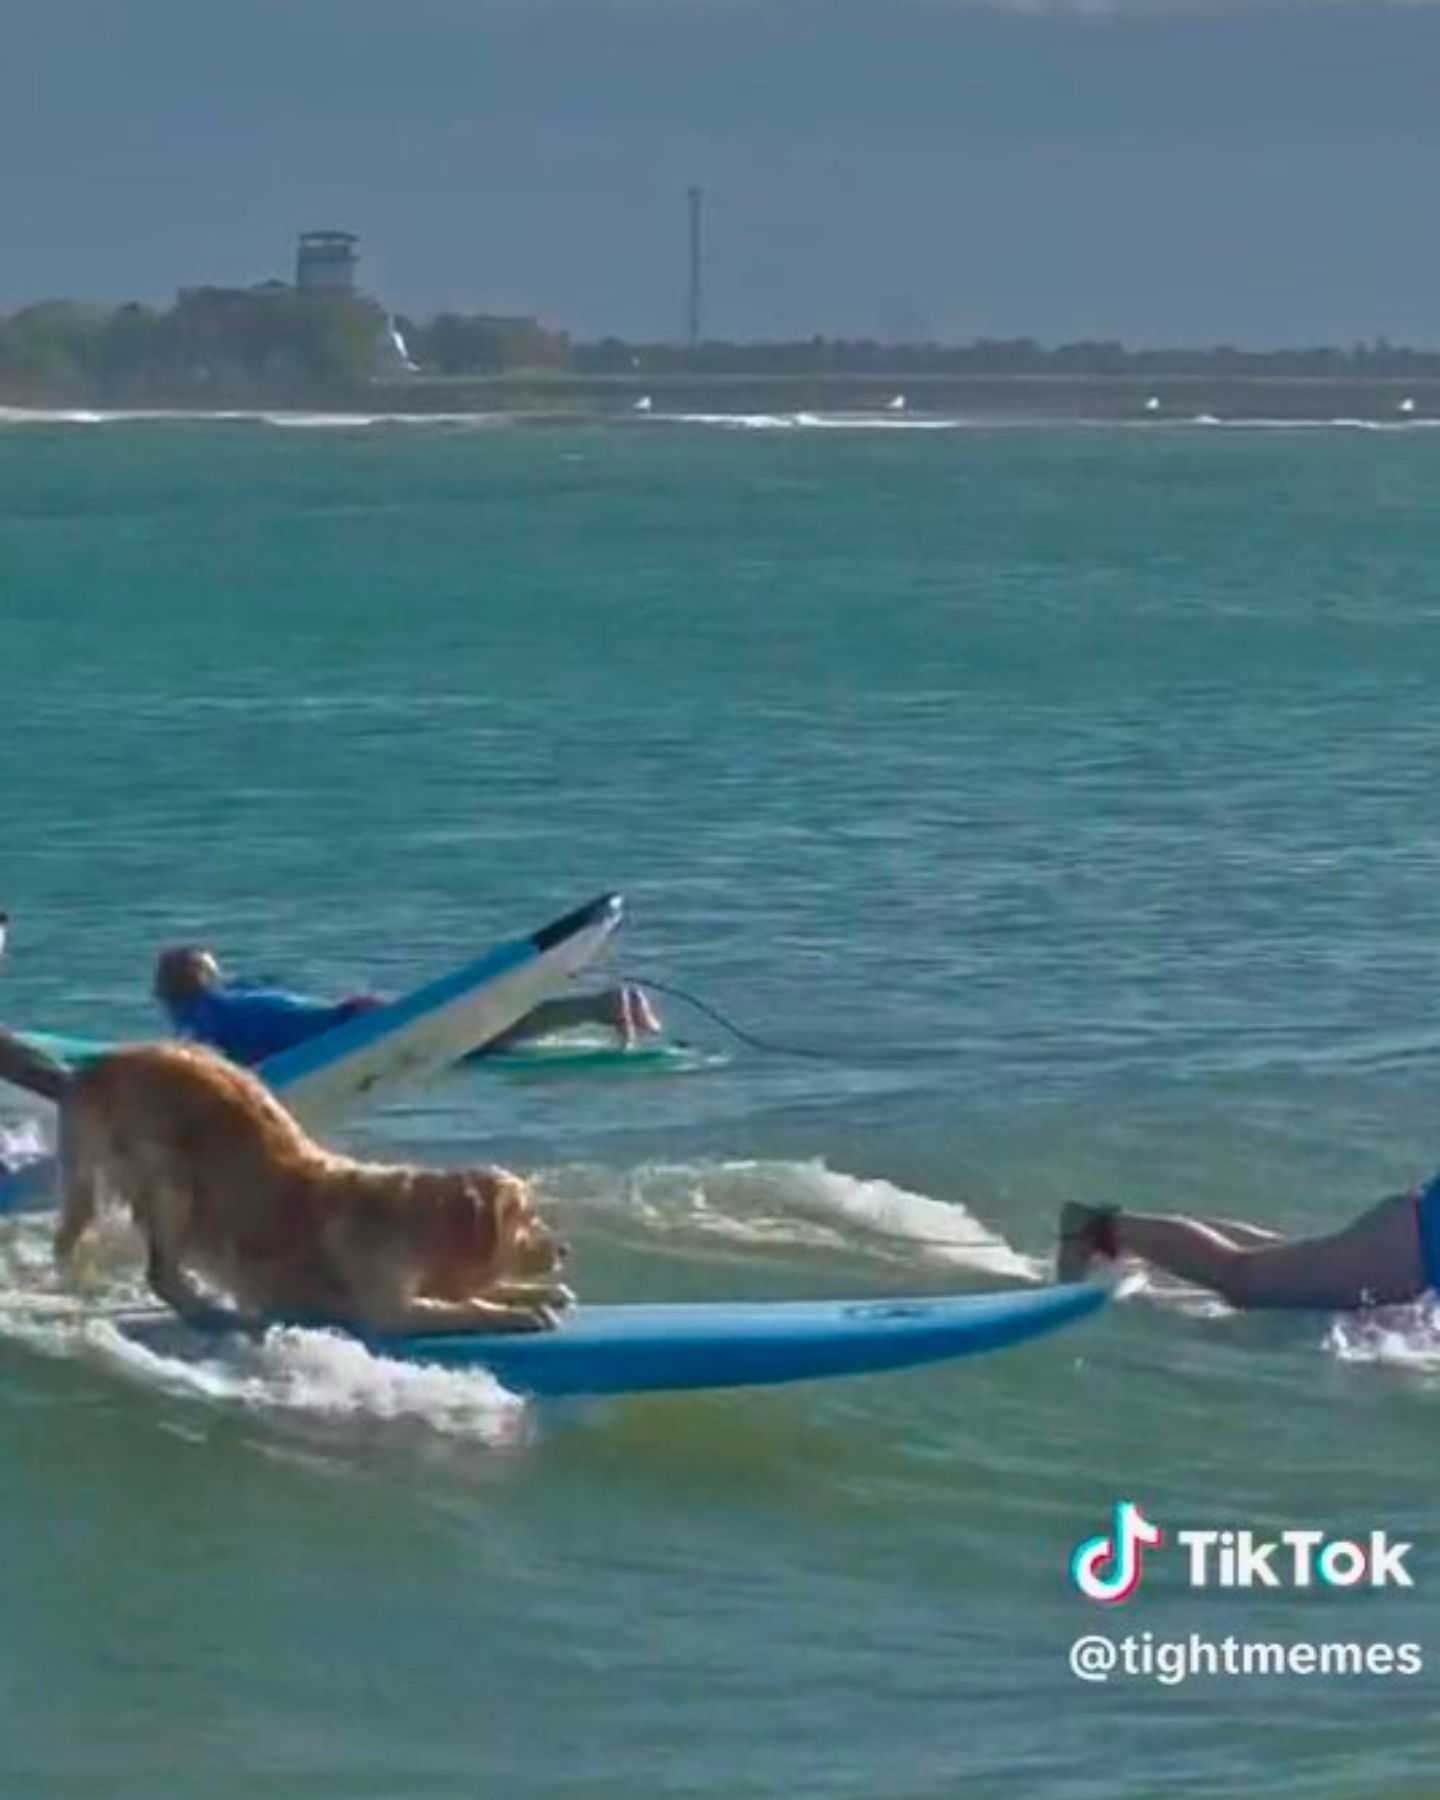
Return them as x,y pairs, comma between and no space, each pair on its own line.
182,972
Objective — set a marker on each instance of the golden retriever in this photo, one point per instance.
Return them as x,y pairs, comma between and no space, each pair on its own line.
226,1187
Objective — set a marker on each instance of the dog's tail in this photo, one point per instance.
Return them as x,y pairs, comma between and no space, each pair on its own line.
32,1069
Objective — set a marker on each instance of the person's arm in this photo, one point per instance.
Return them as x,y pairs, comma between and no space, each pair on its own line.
31,1069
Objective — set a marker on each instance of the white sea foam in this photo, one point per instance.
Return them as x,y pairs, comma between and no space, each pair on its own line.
278,417
873,422
108,1320
810,421
885,419
317,421
797,1205
21,1141
1402,1337
38,415
313,1372
1406,424
728,421
49,415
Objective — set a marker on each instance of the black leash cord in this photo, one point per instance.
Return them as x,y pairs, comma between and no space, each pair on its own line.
736,1031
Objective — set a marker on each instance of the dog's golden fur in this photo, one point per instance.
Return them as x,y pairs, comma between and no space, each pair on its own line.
226,1187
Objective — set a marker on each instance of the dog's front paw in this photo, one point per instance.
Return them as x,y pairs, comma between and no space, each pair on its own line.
535,1317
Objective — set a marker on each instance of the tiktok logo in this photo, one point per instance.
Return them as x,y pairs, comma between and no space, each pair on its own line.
1107,1568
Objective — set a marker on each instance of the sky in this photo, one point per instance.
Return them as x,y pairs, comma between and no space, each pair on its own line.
1256,172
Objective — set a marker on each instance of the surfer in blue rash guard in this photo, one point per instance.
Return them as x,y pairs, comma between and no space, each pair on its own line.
1389,1254
250,1023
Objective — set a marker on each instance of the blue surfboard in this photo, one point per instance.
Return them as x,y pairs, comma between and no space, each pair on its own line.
655,1348
379,1052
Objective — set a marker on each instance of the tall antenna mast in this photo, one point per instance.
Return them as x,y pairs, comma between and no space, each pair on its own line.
696,198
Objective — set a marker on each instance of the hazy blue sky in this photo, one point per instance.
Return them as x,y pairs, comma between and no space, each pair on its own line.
1157,170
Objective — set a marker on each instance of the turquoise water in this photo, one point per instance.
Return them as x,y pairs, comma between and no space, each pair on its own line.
1072,792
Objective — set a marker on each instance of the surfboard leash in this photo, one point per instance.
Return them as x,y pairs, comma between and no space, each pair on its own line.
768,1045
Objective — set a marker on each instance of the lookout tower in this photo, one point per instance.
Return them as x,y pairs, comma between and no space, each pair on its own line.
325,262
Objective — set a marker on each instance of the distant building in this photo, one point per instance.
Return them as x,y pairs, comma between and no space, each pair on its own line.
325,262
208,294
486,344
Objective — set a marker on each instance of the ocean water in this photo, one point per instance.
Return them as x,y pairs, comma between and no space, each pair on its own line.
1069,796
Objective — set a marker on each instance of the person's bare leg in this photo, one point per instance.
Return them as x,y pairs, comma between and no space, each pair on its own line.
1241,1232
638,1017
1374,1261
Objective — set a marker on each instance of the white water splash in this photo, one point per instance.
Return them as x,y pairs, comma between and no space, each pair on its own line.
105,1317
885,420
285,419
797,1205
21,1141
730,421
318,421
324,1374
872,422
1405,424
1403,1337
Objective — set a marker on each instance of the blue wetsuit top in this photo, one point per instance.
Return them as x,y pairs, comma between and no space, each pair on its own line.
247,1024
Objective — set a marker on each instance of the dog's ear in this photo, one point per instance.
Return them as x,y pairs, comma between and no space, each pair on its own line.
475,1227
495,1219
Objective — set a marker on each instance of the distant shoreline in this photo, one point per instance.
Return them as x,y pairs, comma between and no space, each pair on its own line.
970,398
1031,396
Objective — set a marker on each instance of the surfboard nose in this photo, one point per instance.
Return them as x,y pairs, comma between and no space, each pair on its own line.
606,909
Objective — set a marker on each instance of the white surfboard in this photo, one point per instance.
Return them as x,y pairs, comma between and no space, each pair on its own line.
377,1053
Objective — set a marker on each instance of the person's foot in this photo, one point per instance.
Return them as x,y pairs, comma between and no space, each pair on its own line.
1087,1233
644,1016
637,1017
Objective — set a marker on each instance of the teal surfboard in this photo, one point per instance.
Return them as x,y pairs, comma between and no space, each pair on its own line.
562,1056
542,1056
651,1349
64,1048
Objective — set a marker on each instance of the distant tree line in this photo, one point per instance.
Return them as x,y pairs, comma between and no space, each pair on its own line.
232,344
213,343
275,343
482,344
